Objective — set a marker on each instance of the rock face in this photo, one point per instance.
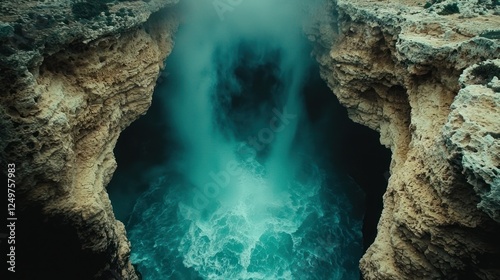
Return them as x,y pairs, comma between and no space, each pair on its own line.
70,87
76,73
472,133
396,66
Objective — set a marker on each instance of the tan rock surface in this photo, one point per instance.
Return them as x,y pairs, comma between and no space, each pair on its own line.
69,88
396,67
472,133
61,114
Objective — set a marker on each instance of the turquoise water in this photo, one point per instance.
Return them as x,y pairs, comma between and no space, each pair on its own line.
246,193
303,231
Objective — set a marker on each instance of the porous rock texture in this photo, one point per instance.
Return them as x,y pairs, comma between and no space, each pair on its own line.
397,66
72,79
70,85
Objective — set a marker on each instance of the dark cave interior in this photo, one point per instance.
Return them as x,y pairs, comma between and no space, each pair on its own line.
354,148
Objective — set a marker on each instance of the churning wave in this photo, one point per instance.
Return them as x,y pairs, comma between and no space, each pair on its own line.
301,231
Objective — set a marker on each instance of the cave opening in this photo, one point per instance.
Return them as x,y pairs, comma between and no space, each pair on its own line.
247,167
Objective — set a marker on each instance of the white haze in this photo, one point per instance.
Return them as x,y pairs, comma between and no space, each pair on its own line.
248,204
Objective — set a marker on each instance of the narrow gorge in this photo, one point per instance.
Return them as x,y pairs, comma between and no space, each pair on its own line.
422,76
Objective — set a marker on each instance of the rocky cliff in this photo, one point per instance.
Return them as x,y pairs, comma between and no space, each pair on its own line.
74,74
424,75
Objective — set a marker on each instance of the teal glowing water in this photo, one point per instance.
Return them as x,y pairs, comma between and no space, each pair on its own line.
245,197
300,232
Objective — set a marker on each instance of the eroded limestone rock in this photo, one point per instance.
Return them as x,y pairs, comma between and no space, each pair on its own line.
472,134
64,103
70,85
396,66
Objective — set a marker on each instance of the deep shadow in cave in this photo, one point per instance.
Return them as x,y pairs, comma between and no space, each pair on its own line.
357,151
143,146
50,246
354,148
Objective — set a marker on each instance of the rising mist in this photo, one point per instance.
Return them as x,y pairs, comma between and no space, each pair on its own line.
246,193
